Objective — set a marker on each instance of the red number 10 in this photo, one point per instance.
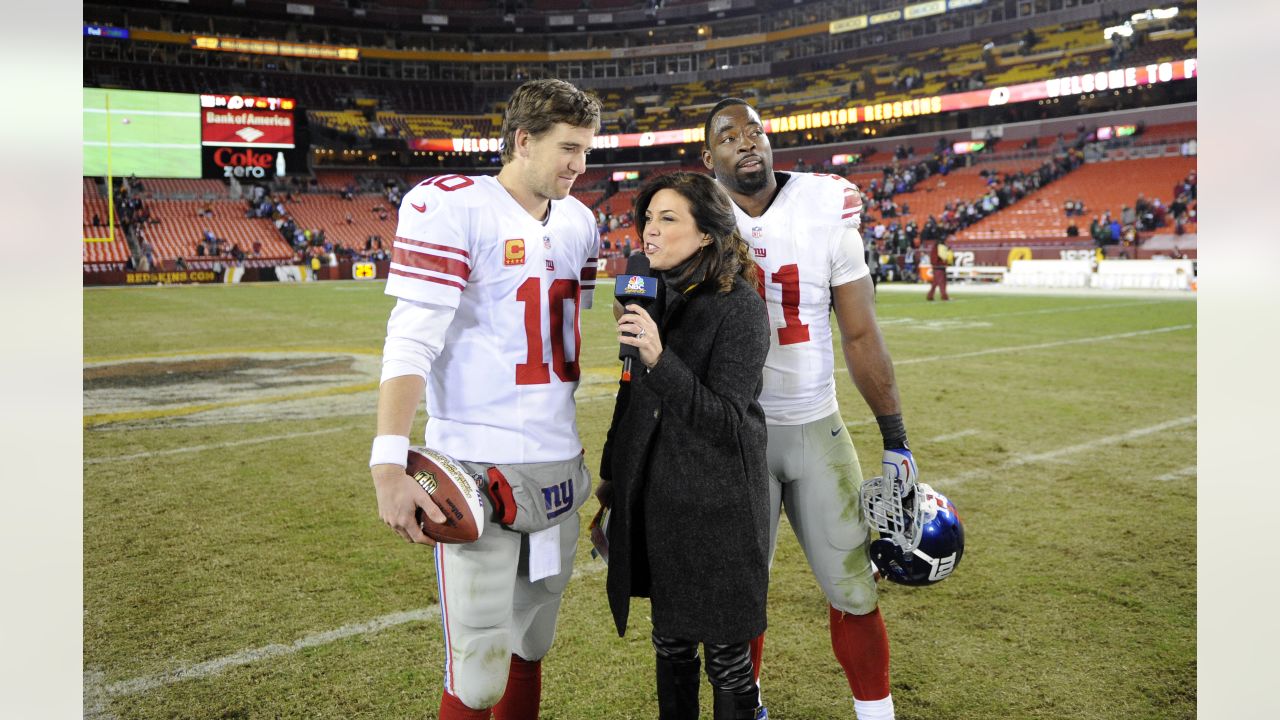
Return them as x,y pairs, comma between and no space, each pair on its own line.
788,276
534,371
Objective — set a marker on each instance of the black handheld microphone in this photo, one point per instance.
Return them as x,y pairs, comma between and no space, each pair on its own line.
635,286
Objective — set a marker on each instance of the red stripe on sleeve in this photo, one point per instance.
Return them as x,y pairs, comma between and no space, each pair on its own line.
433,246
423,261
428,278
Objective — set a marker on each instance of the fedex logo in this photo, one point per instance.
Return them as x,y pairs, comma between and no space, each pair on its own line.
558,499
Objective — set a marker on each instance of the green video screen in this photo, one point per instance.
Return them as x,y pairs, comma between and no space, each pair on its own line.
148,134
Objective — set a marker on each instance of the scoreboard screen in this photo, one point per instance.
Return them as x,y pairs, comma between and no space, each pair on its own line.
148,134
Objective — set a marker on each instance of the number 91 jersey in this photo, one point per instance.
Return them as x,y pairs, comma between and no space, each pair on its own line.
501,389
805,243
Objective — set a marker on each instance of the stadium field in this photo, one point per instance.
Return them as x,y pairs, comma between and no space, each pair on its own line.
234,565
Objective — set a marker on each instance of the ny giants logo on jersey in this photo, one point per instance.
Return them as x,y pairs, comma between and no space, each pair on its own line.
558,498
759,252
514,254
551,265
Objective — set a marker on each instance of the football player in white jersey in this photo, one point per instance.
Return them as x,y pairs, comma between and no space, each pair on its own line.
803,229
490,274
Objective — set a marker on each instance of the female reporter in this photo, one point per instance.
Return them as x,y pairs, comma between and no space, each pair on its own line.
684,461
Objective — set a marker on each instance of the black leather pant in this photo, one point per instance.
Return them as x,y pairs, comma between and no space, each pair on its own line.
728,666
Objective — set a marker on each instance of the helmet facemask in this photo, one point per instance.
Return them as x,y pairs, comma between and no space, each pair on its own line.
893,508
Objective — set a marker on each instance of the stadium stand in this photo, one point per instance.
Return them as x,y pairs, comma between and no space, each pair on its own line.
1105,187
452,82
329,213
180,230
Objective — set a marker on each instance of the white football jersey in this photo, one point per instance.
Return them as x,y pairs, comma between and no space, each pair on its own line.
803,247
501,389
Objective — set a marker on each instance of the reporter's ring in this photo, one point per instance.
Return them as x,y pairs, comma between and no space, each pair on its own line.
641,333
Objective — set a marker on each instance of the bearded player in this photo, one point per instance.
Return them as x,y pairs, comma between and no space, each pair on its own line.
803,229
489,276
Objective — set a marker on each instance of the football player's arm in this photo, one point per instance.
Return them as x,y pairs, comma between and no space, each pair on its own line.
871,368
865,353
415,335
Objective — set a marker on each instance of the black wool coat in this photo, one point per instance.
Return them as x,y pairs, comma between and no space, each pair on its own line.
689,527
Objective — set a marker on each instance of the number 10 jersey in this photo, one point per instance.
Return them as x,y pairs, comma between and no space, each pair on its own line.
501,388
804,244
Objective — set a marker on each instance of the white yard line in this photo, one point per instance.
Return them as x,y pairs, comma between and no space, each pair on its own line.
954,436
1029,459
1186,472
1042,346
96,694
202,448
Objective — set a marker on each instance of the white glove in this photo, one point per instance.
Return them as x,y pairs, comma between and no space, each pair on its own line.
900,467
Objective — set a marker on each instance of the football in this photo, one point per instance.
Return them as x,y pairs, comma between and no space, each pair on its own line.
453,491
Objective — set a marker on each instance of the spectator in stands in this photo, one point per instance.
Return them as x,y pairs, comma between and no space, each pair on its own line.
179,264
1115,231
206,210
1141,205
1069,207
1158,213
1073,230
97,221
257,248
349,192
1128,216
1097,231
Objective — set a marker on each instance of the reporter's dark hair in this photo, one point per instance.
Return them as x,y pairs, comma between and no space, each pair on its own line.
727,255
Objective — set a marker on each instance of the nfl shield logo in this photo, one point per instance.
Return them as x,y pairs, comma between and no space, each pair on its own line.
546,241
757,232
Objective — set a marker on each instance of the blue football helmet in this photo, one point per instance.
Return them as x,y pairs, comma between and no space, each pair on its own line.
940,547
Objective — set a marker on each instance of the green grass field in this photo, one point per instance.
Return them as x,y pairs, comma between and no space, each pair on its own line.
234,565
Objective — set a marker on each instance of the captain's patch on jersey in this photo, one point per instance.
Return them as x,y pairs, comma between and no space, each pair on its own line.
514,254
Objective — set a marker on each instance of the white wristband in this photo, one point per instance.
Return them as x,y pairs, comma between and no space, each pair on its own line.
389,450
